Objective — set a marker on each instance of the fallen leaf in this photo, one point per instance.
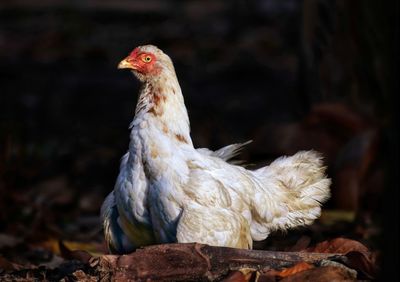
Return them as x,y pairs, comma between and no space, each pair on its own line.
267,277
50,245
274,275
363,262
301,266
8,265
54,263
82,276
93,248
359,257
326,262
242,275
321,274
80,255
338,246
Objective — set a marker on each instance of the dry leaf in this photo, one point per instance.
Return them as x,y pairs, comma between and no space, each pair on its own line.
80,255
321,274
338,246
359,257
8,265
363,262
301,266
93,248
242,275
82,276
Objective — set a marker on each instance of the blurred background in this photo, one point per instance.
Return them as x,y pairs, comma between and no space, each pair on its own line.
290,75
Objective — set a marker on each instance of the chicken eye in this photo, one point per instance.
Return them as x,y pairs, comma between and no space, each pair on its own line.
147,59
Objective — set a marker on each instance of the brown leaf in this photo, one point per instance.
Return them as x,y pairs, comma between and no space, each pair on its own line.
267,277
52,245
8,265
273,274
321,274
55,262
301,266
242,275
66,253
358,255
363,263
326,262
82,276
338,246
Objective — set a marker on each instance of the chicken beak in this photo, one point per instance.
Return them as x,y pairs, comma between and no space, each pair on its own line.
125,64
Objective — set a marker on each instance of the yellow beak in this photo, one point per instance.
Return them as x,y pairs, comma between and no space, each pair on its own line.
125,64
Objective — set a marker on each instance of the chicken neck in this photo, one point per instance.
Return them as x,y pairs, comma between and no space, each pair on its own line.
161,105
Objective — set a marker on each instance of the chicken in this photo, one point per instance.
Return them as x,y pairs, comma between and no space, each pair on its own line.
168,191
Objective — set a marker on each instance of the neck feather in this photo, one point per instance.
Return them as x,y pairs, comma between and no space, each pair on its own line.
161,103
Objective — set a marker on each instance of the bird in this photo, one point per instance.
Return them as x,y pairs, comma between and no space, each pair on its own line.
167,191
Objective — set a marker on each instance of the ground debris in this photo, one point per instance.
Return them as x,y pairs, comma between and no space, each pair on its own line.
198,262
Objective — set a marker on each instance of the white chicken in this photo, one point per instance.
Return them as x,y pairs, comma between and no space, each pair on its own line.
168,191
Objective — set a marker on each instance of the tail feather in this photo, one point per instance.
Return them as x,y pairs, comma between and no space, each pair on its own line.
294,189
231,151
226,153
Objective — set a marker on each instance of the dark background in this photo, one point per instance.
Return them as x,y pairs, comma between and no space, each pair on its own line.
290,75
